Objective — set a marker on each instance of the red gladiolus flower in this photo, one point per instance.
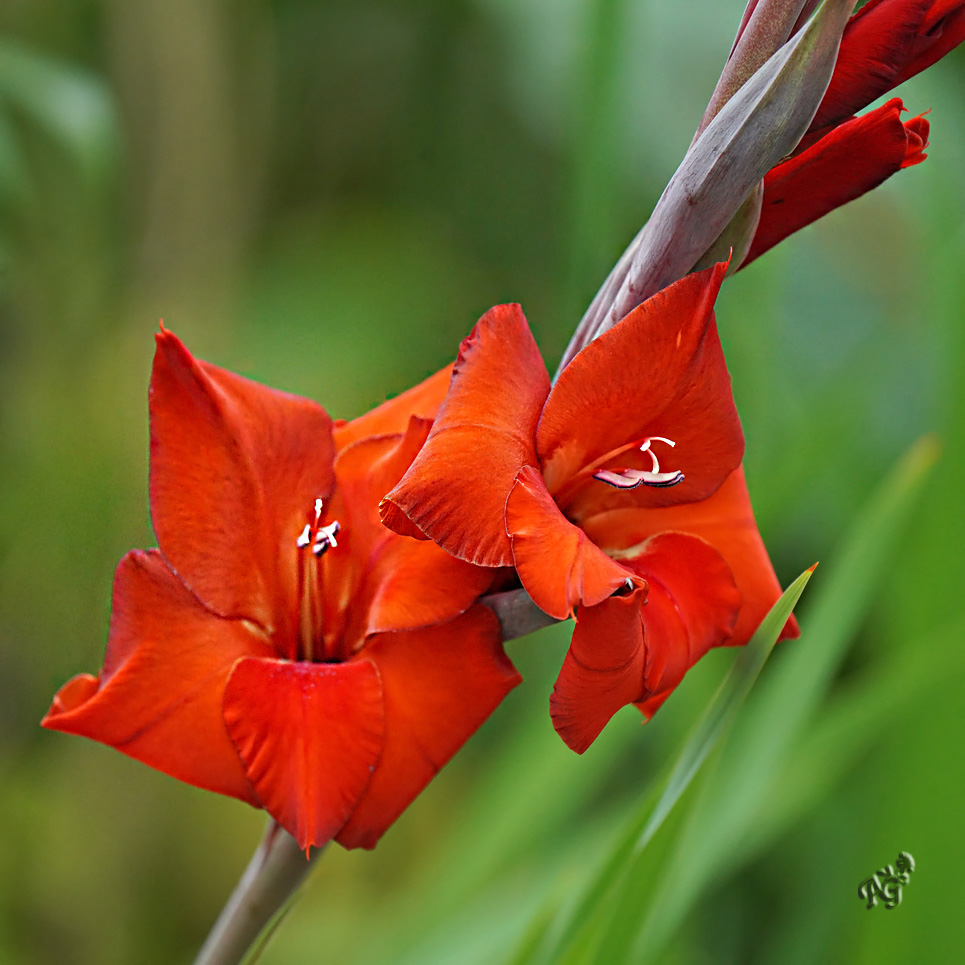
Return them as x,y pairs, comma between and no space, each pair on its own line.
842,156
281,646
617,495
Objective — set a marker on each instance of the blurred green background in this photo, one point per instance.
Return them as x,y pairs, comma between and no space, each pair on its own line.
325,196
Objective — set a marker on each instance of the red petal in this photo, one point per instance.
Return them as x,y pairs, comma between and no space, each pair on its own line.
456,490
626,650
158,697
841,166
235,470
310,735
942,30
557,563
415,584
603,670
366,470
439,685
690,583
660,371
726,521
877,42
885,43
391,417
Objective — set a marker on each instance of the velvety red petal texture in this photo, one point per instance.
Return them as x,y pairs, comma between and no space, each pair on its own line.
885,43
658,372
158,697
416,584
558,565
603,670
235,470
455,492
942,30
690,580
630,648
439,685
310,735
392,417
877,42
841,166
726,521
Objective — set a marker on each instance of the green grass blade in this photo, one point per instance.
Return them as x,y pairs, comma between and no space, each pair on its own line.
651,814
736,795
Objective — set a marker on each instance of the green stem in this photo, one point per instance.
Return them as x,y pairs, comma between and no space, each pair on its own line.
273,875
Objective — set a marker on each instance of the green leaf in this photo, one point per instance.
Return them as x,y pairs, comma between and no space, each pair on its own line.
735,797
653,811
659,867
72,107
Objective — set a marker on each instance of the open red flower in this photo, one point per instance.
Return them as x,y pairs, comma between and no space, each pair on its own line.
617,495
842,156
281,646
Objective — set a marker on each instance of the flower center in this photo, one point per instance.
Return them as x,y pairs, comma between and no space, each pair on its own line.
320,539
631,478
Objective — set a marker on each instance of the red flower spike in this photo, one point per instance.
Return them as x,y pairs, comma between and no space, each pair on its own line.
438,686
244,655
838,167
310,735
486,426
639,436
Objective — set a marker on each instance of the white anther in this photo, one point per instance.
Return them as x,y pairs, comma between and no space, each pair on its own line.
325,538
631,478
305,538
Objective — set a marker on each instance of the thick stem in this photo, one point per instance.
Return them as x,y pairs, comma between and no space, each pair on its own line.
766,26
274,873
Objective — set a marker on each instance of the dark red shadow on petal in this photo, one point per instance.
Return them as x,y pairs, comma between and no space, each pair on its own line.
840,166
726,521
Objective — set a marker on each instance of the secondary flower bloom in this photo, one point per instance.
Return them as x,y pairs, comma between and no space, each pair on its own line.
617,495
842,156
281,646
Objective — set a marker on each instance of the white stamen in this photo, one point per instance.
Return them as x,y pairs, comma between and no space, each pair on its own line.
325,538
318,508
305,538
631,478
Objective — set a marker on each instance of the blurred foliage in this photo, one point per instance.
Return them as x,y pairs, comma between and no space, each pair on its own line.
324,195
